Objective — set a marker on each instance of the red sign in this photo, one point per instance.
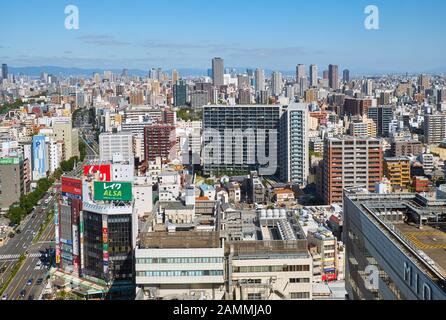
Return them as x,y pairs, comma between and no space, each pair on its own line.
330,277
104,171
72,186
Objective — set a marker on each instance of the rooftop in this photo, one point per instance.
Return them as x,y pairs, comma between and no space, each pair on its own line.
417,222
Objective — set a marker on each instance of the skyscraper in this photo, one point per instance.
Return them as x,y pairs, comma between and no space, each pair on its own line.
218,71
346,76
260,80
4,71
313,75
333,76
179,93
382,116
276,83
300,72
294,147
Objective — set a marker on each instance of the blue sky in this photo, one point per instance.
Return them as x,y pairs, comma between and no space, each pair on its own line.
273,34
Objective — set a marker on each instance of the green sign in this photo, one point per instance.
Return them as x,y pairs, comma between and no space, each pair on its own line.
113,191
6,161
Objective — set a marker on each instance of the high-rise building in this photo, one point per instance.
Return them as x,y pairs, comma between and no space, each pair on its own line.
354,107
5,71
159,141
231,154
333,77
294,145
346,76
350,162
276,83
218,71
63,130
175,76
259,80
434,128
394,246
12,184
300,73
382,115
367,87
179,93
116,147
313,75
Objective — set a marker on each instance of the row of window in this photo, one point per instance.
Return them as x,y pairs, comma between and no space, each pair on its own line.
190,273
179,260
249,269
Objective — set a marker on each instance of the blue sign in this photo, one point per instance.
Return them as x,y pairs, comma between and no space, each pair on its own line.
39,160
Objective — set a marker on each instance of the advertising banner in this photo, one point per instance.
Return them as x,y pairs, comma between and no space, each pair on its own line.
113,191
103,170
72,186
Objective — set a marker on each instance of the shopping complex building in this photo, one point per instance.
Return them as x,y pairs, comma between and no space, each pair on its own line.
395,246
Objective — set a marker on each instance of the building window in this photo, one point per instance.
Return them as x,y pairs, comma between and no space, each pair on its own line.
300,295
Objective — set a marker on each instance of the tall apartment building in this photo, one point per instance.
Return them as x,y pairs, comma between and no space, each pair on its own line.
397,170
218,71
294,145
63,130
394,246
12,184
5,71
382,116
333,77
434,128
116,146
350,162
313,75
276,83
259,80
231,154
159,141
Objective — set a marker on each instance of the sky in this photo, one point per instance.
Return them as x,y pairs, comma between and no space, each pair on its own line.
271,34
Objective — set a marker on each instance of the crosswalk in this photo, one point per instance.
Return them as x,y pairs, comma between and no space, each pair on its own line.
17,256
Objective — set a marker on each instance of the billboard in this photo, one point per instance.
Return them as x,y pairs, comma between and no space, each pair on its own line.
6,161
113,191
103,170
72,186
39,157
75,240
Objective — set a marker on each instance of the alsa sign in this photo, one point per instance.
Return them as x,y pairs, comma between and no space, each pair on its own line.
112,191
103,170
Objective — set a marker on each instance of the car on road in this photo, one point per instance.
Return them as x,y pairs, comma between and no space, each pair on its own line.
47,201
5,296
33,216
39,281
23,293
29,282
2,269
18,231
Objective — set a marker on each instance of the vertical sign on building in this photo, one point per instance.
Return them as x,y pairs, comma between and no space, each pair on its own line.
81,237
105,244
39,157
56,232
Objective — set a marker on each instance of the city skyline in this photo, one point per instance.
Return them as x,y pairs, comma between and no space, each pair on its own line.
301,34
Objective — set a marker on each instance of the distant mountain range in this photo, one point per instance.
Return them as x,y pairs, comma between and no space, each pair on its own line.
185,72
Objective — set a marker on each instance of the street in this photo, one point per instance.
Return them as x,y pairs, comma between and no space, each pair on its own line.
22,243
